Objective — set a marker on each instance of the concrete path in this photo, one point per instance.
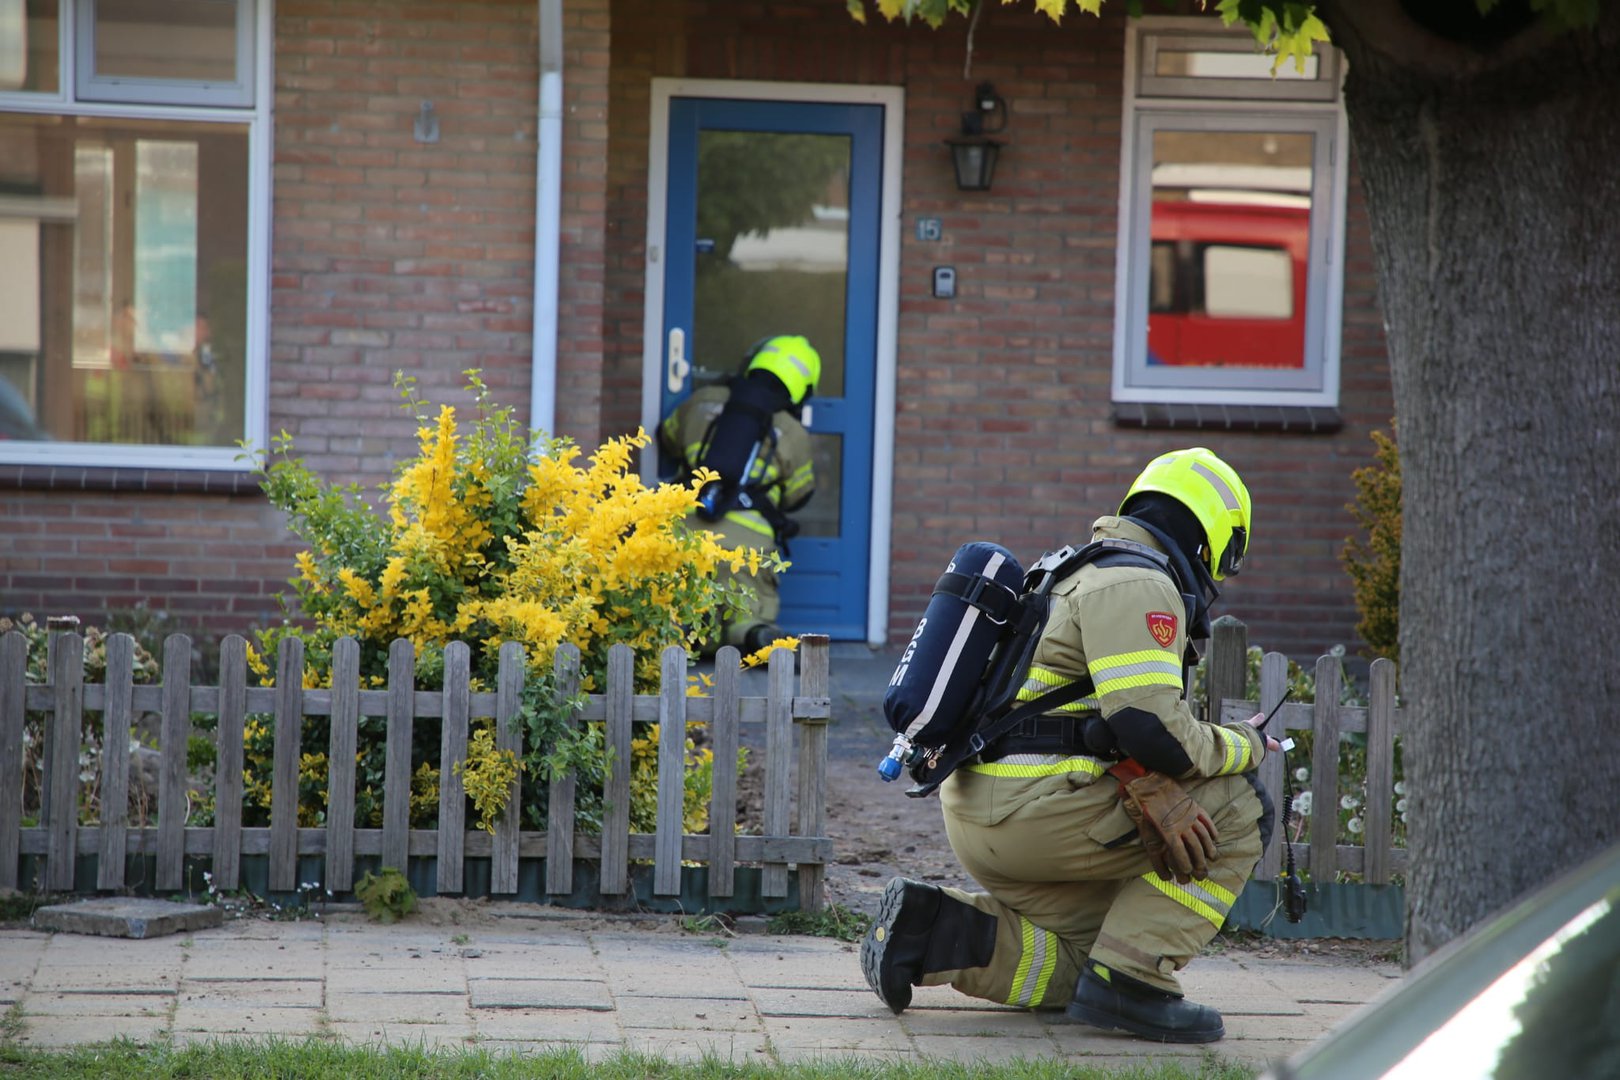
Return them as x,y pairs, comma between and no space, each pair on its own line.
541,978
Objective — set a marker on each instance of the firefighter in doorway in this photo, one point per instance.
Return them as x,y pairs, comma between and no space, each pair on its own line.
1112,835
749,432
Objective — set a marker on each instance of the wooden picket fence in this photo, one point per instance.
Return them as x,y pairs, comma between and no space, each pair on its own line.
1320,851
787,839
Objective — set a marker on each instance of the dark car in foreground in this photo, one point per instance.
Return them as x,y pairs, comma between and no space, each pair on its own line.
1531,994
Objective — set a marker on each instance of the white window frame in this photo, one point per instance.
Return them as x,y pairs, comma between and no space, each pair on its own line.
92,86
257,119
1153,103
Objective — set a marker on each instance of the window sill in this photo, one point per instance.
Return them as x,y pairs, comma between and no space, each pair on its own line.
1300,419
154,481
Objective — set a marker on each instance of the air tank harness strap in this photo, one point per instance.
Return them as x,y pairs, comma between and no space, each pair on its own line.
1000,603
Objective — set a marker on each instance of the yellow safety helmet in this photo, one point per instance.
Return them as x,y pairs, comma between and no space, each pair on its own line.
1212,490
790,358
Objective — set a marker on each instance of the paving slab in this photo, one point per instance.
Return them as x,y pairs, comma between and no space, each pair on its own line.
548,1025
58,1003
540,993
65,1031
257,1020
681,1045
424,1008
127,917
638,1014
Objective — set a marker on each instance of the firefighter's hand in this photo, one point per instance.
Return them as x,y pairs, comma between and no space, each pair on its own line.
1259,719
1177,833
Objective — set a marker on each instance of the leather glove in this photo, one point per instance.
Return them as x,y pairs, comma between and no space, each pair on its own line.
1177,833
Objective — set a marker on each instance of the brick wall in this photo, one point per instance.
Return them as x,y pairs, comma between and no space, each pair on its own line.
387,254
1003,427
391,254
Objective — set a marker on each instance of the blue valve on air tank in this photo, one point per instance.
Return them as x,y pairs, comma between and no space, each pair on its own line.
889,768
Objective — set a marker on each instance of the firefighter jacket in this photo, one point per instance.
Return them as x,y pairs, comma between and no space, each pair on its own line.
1125,628
783,473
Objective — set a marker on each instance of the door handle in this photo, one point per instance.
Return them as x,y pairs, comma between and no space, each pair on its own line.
677,368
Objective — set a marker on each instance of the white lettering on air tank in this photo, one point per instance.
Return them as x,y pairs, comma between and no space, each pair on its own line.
905,657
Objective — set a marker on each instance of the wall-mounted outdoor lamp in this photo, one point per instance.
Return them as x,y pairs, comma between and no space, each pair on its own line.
973,154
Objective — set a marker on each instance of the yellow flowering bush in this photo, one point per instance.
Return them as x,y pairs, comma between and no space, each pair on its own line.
486,538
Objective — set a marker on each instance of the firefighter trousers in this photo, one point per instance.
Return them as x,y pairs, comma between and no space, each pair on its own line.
1068,880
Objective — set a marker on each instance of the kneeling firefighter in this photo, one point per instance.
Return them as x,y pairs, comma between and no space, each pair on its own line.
1112,834
750,433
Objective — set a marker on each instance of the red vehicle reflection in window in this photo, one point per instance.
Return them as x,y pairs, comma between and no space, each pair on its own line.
1227,284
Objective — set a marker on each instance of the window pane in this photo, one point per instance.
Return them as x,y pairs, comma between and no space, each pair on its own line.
1230,236
192,40
773,248
29,45
1210,64
141,262
1247,283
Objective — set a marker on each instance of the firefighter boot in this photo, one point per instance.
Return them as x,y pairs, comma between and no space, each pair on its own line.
1107,999
919,930
759,636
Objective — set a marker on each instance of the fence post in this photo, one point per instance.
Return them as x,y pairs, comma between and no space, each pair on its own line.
1380,770
671,773
342,742
284,771
228,768
1325,772
620,702
1228,667
176,739
560,801
724,731
503,862
62,762
396,837
117,709
778,763
452,752
13,704
1273,683
55,627
813,683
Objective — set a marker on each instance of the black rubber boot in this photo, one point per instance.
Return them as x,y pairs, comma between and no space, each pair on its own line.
760,635
1106,999
919,930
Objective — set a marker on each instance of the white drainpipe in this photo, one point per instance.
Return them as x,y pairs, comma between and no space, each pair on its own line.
547,219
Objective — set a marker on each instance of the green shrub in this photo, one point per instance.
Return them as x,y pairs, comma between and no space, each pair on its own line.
1374,560
387,896
487,537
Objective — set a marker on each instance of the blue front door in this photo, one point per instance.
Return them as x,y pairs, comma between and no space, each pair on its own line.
773,228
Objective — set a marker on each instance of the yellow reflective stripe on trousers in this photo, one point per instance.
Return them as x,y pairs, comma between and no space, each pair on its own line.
1040,681
1152,667
1238,752
1036,963
1201,895
1055,768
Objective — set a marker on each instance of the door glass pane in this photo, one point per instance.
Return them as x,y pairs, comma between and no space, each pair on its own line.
819,517
1230,234
772,249
193,40
137,281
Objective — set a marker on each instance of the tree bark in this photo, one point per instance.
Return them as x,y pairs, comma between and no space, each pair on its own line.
1490,154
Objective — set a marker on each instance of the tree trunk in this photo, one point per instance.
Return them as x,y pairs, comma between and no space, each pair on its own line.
1490,154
